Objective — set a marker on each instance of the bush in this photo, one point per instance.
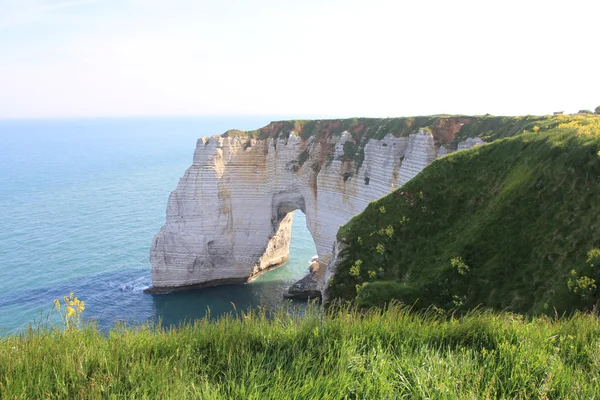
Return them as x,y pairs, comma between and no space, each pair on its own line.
593,258
459,265
583,286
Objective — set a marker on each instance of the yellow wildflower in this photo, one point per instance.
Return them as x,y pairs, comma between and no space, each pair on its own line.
73,309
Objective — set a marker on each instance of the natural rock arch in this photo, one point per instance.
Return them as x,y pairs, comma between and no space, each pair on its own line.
230,217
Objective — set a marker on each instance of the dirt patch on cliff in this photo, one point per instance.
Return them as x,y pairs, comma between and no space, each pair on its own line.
444,130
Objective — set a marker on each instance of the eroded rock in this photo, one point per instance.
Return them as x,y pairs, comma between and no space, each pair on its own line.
306,288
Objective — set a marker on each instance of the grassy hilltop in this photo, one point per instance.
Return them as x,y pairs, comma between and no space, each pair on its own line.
514,224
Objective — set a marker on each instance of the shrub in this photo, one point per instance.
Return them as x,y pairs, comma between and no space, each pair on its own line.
583,286
593,258
459,265
355,269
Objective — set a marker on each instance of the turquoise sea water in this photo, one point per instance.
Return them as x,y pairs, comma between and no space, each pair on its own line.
80,201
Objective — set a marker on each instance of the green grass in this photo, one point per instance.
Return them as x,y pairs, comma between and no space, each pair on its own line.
521,213
346,353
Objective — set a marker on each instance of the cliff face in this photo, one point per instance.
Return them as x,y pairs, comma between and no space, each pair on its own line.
230,217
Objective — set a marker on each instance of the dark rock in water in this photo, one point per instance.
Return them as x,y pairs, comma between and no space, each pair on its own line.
303,289
306,288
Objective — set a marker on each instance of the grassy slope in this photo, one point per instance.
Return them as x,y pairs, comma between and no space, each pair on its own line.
521,212
348,354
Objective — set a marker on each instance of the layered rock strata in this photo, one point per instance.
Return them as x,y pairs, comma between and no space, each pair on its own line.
230,216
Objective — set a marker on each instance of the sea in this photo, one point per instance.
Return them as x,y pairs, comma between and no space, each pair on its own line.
80,201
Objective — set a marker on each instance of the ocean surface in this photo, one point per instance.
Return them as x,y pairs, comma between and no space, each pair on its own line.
80,201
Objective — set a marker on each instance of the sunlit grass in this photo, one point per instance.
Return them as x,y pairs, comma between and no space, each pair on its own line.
344,353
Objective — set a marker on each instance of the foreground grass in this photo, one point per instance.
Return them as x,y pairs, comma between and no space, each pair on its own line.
345,354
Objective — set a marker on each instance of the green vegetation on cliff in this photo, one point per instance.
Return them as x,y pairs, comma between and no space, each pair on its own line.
345,354
447,130
514,224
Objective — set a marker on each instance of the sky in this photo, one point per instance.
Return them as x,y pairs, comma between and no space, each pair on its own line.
336,58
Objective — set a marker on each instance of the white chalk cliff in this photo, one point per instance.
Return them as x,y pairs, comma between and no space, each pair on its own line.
230,217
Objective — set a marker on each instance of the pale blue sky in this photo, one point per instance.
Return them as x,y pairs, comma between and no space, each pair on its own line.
82,58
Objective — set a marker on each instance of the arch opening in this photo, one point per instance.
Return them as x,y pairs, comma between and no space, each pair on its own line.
276,253
284,205
298,244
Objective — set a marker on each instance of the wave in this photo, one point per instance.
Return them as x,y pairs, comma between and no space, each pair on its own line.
136,285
